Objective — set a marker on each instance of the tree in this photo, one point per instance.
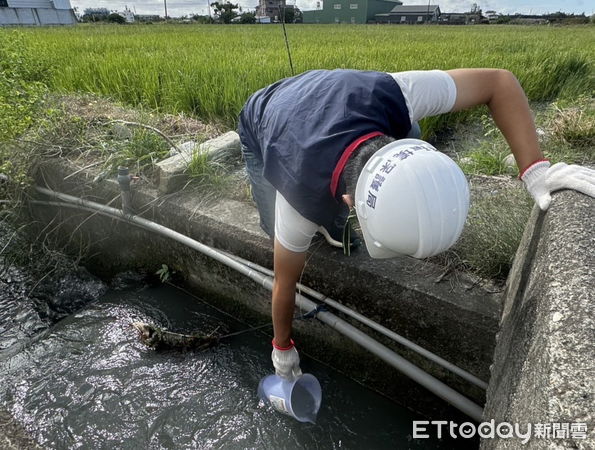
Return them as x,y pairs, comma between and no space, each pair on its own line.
293,15
225,11
503,19
116,18
248,17
202,19
95,14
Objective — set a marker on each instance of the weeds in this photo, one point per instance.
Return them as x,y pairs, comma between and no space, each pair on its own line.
492,233
21,99
22,87
205,170
140,152
487,159
574,125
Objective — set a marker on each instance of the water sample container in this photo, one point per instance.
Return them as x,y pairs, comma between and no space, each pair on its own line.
299,398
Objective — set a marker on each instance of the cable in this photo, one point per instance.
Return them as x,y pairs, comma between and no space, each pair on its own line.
286,40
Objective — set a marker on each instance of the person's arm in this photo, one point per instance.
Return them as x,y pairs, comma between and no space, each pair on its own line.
293,234
504,96
506,100
288,267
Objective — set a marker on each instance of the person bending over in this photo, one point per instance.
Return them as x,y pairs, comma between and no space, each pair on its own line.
320,142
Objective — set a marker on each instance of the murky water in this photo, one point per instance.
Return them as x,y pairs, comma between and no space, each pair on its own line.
90,383
75,375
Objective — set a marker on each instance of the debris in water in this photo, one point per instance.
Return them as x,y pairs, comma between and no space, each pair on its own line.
161,339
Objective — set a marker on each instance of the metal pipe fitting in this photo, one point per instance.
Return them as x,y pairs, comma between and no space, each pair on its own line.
124,178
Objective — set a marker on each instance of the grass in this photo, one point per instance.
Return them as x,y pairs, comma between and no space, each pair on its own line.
494,229
140,152
22,87
492,233
574,124
209,71
208,172
488,158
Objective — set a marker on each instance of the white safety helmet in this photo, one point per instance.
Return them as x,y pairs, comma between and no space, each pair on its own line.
411,200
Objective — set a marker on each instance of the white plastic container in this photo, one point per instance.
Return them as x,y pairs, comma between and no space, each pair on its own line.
300,398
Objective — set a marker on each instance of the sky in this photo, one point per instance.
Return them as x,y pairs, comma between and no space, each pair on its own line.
177,8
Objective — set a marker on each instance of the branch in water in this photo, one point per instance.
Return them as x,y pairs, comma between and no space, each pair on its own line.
161,339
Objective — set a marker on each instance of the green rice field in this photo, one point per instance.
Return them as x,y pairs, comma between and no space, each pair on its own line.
210,70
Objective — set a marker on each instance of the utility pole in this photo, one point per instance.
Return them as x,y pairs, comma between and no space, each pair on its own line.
165,4
429,10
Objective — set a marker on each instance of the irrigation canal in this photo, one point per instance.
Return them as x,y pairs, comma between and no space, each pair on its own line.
75,375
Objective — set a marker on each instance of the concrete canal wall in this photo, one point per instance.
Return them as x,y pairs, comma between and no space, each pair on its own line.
544,362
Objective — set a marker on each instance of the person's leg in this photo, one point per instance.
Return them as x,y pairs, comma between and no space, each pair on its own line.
334,234
415,132
263,193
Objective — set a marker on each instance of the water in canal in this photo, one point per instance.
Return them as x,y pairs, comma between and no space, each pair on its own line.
88,382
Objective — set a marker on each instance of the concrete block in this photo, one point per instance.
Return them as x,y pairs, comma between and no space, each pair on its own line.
172,171
543,362
225,146
186,147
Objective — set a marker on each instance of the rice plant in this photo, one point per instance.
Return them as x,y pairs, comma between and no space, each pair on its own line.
209,71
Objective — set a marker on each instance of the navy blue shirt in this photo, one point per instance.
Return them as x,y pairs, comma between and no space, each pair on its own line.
300,126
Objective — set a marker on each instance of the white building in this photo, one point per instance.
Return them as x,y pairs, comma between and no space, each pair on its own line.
492,16
128,15
36,12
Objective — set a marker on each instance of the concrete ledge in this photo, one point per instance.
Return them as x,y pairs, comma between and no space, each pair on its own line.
543,370
172,171
456,318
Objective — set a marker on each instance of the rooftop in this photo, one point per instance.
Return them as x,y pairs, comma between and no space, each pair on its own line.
411,9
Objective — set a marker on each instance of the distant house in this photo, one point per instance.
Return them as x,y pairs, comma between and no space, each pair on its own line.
36,12
492,16
271,9
468,18
410,14
147,17
349,11
525,19
453,19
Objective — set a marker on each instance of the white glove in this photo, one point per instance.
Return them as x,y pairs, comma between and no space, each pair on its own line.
541,179
286,361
